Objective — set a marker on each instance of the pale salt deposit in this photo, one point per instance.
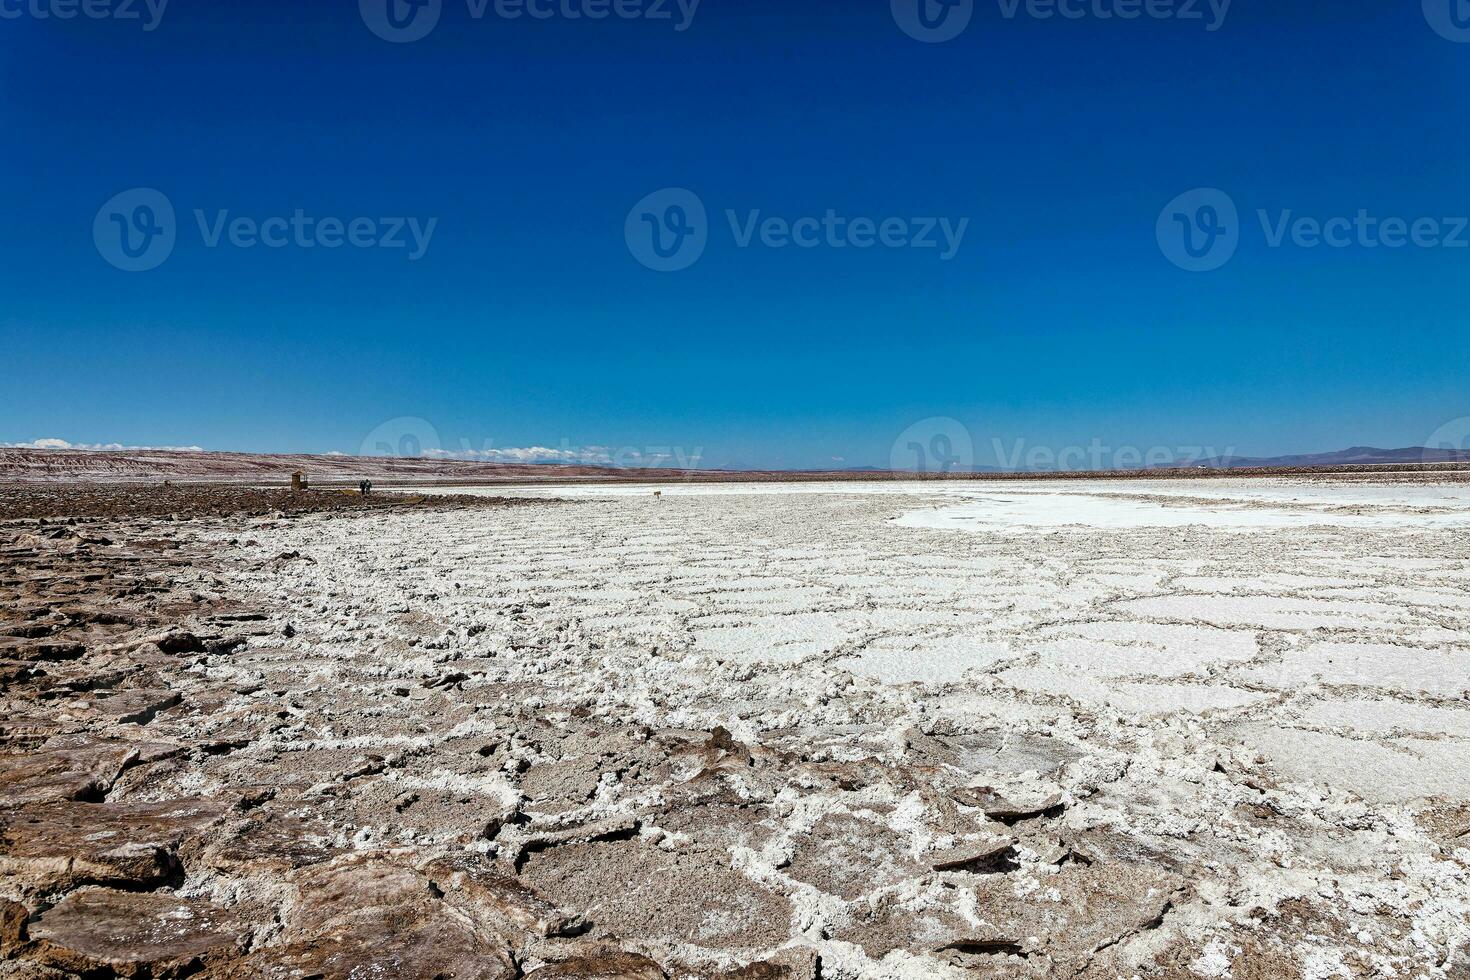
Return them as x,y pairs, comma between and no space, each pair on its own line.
1264,686
1107,504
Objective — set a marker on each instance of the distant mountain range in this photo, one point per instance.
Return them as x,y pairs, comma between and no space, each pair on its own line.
1356,456
49,465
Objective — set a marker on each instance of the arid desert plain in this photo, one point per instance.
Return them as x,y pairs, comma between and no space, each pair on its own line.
1173,728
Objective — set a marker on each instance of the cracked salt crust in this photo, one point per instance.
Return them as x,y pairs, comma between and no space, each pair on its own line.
1237,679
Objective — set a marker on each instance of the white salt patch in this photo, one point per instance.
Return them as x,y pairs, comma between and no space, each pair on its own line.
1260,583
779,638
1362,715
1254,490
1385,772
1271,612
1146,699
1120,649
1213,962
1442,672
1019,513
938,661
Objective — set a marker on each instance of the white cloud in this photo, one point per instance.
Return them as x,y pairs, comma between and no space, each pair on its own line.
111,447
527,454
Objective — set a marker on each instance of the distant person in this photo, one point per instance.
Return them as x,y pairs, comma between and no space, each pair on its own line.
362,488
368,484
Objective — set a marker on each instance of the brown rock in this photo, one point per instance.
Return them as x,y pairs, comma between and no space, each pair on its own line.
611,829
847,776
15,672
272,843
492,898
370,916
1056,931
441,817
760,971
27,970
604,966
380,946
630,887
137,707
41,649
1008,811
135,935
179,641
1096,906
990,954
886,924
723,753
988,857
794,964
13,918
57,846
71,768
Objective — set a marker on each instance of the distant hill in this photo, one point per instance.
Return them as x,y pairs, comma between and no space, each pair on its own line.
156,465
44,465
1356,456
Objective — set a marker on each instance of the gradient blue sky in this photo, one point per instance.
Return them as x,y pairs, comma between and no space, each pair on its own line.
529,323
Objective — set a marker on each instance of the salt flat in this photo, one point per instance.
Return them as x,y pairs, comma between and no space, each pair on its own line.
1016,507
1259,691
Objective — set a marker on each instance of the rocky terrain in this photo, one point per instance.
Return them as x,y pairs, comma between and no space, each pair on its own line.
739,736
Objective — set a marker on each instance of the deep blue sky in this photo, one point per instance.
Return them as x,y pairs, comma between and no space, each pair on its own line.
527,322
